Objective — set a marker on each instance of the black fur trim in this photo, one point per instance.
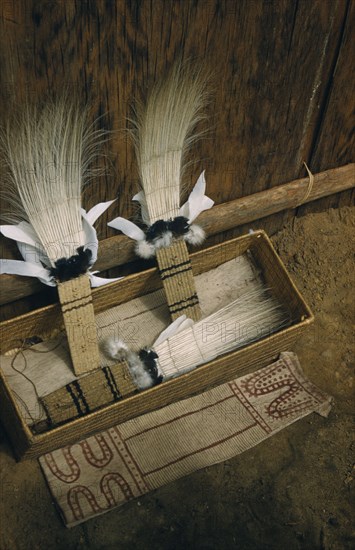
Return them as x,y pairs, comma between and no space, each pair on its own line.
148,358
70,268
179,226
156,230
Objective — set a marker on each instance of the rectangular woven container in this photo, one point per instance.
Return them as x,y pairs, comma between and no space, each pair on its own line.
251,357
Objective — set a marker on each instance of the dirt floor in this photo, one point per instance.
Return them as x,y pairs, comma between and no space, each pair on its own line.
291,492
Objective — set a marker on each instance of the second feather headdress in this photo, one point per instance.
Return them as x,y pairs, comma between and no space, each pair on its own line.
162,135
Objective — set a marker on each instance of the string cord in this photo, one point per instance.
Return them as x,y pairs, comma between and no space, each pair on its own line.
20,352
309,187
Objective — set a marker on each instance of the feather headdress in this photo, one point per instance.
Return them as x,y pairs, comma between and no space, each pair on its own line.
48,151
163,133
185,345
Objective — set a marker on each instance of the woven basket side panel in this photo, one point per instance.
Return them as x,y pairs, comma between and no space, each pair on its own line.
79,321
89,393
216,372
11,420
181,387
177,277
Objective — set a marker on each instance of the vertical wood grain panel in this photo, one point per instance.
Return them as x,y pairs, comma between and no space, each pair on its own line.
275,101
270,61
335,141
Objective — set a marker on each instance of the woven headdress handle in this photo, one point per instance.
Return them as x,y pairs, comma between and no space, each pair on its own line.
179,285
74,283
79,322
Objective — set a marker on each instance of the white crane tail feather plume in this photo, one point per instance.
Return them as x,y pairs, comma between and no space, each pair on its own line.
48,151
162,135
249,318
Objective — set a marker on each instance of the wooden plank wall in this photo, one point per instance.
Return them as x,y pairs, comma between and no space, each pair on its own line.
283,78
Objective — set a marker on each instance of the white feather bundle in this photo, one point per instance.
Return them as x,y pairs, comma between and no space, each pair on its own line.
249,318
162,135
48,151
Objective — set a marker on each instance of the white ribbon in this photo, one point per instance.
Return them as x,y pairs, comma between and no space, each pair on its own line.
100,281
197,201
180,324
90,236
195,204
29,246
23,232
96,211
28,269
128,228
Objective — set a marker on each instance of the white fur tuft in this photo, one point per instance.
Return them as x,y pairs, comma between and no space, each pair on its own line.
115,348
145,250
196,235
164,241
118,349
141,377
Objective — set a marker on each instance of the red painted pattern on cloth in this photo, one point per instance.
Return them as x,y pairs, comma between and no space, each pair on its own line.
73,466
251,410
183,415
219,442
290,402
128,460
107,454
73,501
118,479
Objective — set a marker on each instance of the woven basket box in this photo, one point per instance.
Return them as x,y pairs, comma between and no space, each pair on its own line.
41,322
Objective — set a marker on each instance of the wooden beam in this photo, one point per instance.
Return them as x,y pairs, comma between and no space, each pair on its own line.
119,250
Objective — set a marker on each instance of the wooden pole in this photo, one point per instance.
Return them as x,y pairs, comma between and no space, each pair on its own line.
119,250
